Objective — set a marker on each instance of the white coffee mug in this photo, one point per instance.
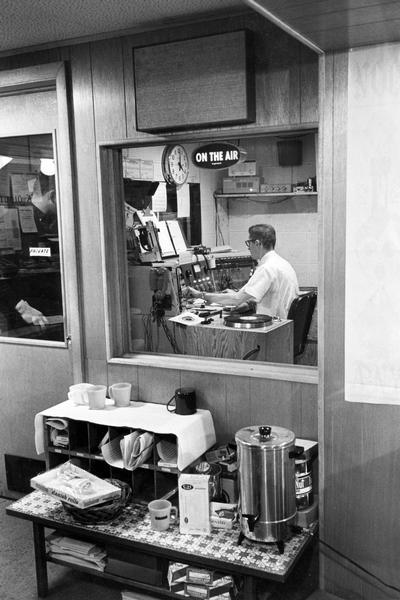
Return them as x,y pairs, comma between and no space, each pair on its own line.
97,397
78,393
120,393
162,514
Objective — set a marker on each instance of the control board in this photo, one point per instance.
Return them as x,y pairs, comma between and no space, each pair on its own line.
232,270
198,275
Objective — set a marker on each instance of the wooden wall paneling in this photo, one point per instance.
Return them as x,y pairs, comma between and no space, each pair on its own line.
117,373
274,403
115,273
92,298
230,23
237,404
108,90
360,441
96,371
284,89
308,398
210,395
277,79
329,373
157,385
308,85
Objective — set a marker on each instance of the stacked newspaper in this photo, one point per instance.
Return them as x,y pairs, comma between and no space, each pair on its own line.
128,451
76,552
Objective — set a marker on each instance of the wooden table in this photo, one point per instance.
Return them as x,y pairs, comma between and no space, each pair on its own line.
131,531
275,340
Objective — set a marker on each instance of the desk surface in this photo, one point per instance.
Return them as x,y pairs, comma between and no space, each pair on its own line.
215,339
132,528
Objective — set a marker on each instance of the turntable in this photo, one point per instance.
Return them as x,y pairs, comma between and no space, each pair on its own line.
241,321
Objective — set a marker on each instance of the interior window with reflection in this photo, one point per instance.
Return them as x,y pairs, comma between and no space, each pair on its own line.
30,284
222,248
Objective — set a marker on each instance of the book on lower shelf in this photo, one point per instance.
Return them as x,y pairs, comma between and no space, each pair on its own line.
75,486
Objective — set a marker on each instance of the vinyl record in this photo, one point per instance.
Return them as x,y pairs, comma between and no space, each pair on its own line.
247,321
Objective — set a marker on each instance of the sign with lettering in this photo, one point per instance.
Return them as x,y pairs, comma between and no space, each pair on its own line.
39,251
216,155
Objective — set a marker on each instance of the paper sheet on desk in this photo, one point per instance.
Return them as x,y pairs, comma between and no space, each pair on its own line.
195,433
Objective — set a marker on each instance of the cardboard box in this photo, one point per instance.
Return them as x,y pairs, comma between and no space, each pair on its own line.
221,585
230,487
176,573
75,486
194,500
197,575
222,515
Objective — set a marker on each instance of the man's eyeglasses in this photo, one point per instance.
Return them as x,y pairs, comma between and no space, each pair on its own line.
248,242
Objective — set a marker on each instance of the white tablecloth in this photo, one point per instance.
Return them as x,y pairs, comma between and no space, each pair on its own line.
194,433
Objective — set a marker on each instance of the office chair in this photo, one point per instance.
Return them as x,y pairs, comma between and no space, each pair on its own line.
301,312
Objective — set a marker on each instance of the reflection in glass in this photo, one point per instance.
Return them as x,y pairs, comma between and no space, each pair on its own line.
31,303
211,213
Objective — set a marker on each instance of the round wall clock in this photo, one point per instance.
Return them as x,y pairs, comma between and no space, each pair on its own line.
175,164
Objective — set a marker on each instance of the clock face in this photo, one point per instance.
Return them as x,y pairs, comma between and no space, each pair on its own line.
175,164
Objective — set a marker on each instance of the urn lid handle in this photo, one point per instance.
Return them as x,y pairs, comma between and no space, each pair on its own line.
265,432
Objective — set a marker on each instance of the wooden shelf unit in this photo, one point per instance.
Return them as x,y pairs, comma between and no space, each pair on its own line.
148,482
268,196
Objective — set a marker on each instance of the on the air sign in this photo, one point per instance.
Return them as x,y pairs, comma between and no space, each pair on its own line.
216,155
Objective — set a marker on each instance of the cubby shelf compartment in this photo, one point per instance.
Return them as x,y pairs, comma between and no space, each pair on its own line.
148,482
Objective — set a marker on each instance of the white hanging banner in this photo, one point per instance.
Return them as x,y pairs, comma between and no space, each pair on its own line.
372,311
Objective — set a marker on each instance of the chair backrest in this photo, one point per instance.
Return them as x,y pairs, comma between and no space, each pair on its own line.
301,312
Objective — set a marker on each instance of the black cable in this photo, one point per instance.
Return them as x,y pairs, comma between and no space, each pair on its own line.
251,352
168,334
353,562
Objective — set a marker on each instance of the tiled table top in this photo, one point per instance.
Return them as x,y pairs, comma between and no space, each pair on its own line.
133,524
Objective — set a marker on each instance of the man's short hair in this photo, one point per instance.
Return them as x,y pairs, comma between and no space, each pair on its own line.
265,233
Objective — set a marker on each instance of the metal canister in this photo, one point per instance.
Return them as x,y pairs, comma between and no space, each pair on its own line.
266,481
303,481
214,482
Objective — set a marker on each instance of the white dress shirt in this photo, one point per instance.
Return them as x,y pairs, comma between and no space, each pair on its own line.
273,285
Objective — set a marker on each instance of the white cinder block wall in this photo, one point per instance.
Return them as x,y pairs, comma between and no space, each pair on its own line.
295,219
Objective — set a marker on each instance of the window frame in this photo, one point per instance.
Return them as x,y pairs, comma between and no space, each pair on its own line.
115,272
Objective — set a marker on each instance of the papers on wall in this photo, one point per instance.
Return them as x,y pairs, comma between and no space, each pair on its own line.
136,168
10,234
27,219
159,199
22,185
164,239
177,236
147,170
183,201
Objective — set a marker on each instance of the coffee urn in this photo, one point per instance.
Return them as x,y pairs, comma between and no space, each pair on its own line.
266,465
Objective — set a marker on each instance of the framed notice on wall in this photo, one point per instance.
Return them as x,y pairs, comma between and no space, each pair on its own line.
195,83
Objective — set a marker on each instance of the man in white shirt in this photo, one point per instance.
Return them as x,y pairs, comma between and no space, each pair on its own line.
273,285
